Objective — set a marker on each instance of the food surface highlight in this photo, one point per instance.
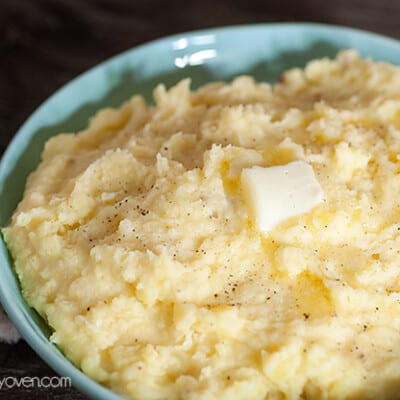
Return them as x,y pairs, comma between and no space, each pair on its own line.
241,241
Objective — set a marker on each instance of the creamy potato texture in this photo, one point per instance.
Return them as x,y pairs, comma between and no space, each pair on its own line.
135,242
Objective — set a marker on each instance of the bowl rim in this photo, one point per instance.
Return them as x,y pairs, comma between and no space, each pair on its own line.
24,324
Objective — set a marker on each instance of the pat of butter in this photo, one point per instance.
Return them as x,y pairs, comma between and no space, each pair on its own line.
278,193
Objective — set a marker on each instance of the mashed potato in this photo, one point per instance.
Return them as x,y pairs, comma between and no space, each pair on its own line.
135,242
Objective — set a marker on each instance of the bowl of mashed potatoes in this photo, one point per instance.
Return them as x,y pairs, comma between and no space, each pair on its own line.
223,224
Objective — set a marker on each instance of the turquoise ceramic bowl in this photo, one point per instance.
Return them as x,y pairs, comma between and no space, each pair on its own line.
263,51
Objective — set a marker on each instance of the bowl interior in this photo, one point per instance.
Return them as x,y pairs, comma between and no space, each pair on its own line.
262,51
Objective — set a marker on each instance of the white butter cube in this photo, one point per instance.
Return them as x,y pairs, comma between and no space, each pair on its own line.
277,193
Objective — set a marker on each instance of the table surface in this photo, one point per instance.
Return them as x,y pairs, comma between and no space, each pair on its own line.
46,43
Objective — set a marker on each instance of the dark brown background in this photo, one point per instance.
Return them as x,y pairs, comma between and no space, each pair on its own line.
46,43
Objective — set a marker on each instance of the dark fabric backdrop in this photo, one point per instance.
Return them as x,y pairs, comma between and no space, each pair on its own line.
46,43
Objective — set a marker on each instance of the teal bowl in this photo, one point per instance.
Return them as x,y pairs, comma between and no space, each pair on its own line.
262,51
